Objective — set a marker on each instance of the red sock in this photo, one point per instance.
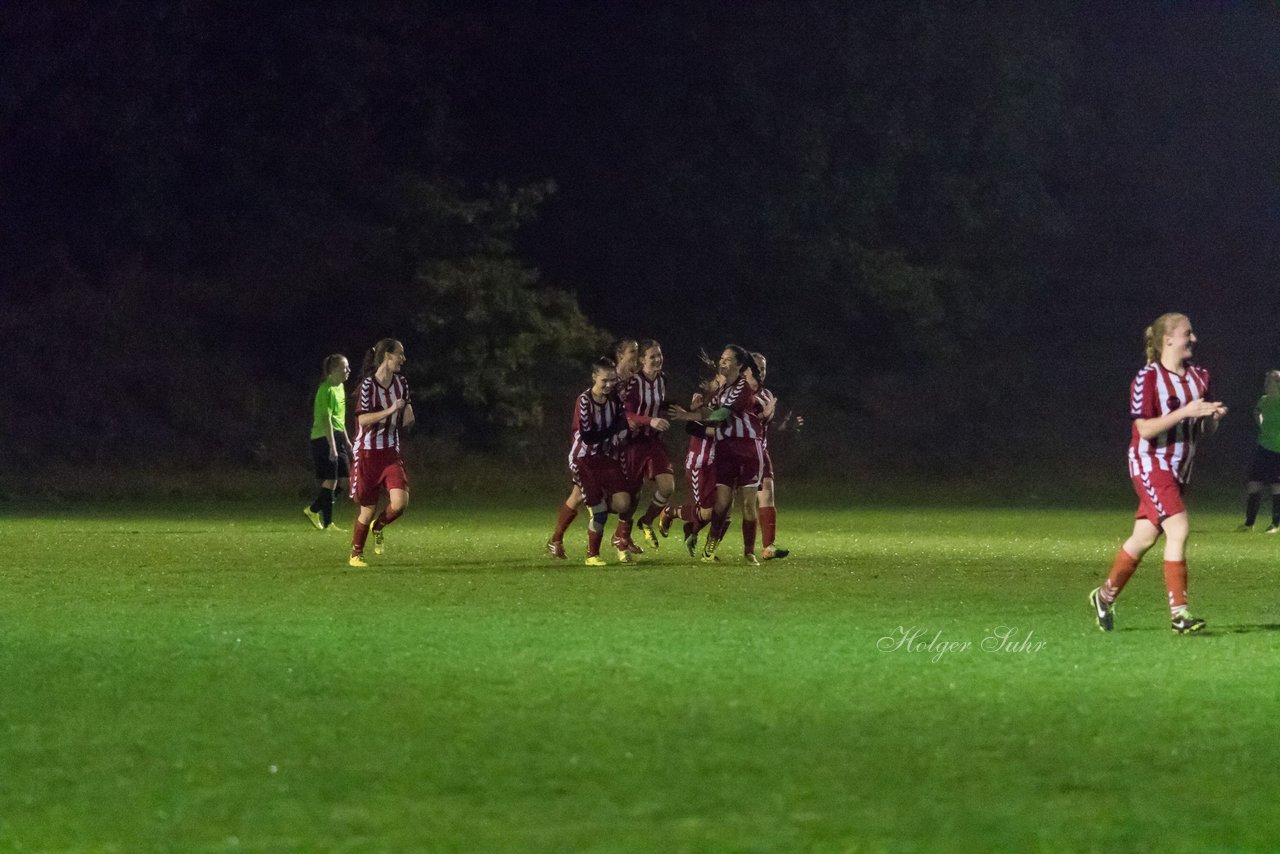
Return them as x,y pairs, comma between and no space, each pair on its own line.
359,534
593,542
563,520
1175,579
768,525
748,536
386,517
654,509
623,531
1122,569
687,512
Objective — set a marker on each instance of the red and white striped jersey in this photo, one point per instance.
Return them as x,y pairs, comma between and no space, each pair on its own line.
597,427
744,420
1157,391
644,400
764,398
372,396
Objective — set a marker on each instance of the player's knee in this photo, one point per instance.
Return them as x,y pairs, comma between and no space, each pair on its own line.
599,515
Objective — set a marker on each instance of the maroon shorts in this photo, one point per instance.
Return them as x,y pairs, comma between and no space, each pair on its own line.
374,472
602,477
646,458
1159,496
702,485
739,462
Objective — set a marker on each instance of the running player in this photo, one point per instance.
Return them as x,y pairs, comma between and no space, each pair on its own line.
330,447
624,358
599,422
1170,405
644,398
382,409
699,468
739,457
767,509
1265,468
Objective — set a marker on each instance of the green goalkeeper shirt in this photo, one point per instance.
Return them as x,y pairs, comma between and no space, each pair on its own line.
1269,430
330,408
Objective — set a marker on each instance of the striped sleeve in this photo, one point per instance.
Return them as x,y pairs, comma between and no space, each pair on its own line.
1143,400
364,400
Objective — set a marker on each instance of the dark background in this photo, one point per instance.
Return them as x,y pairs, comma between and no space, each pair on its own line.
946,224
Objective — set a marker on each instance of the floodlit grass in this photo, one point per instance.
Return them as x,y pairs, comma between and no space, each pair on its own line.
221,681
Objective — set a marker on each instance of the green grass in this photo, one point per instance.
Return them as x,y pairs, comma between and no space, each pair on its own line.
220,681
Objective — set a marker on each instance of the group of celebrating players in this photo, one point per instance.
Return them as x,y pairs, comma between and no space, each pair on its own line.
617,447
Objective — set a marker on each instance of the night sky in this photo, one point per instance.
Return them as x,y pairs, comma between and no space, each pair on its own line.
947,226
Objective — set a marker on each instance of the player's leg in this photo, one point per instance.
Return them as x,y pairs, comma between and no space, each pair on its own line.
360,533
1123,565
719,515
567,512
1176,530
320,511
664,484
620,503
396,483
1275,509
750,518
1252,503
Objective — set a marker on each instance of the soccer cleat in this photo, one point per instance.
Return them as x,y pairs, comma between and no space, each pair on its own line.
691,543
556,550
625,556
357,561
1103,612
709,551
664,521
378,545
1185,624
772,552
650,537
314,517
1244,529
1272,530
625,544
751,559
596,560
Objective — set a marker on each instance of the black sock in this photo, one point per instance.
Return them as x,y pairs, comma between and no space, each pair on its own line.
326,507
1251,508
1275,510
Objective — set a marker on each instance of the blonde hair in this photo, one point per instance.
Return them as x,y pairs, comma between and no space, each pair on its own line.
1271,379
1154,335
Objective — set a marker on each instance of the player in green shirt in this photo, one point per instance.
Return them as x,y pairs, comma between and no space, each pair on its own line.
330,447
1265,468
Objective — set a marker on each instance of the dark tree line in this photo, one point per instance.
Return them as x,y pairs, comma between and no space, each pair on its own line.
927,214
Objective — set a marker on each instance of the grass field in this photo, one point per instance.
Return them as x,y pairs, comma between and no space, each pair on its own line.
219,680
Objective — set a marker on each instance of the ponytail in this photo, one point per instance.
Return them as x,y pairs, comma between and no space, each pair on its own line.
1153,336
374,356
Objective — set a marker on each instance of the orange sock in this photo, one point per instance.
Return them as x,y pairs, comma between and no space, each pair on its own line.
1175,579
1122,569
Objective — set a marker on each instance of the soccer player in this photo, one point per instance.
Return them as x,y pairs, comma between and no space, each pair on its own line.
739,456
624,358
644,398
768,511
599,425
1265,468
382,410
330,447
1171,407
699,468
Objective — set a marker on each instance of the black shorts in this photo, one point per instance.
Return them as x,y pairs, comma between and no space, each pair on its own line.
1265,467
327,469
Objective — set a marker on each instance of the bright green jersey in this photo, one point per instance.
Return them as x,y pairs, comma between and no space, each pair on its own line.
330,408
1269,431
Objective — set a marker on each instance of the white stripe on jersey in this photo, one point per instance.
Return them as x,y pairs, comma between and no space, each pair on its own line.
647,398
373,397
